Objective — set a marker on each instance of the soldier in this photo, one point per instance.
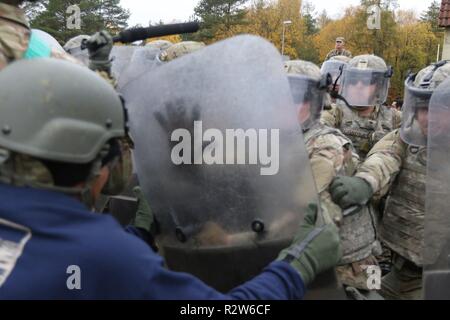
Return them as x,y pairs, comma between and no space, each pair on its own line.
363,118
339,50
331,154
17,40
335,67
45,211
397,166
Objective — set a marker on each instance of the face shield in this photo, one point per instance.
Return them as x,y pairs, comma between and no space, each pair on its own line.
365,88
308,95
335,68
415,114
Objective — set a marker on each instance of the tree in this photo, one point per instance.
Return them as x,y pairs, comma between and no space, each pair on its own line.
218,16
431,16
96,15
323,19
32,9
308,16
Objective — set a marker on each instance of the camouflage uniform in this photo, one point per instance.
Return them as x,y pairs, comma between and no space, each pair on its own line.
335,53
180,49
394,166
331,154
15,34
364,132
399,169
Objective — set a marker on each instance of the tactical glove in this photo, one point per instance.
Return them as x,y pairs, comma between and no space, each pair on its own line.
314,249
144,216
99,47
350,191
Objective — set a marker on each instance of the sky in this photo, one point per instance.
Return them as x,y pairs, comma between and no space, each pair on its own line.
168,11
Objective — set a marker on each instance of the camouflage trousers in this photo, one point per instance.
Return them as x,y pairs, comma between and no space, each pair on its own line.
355,274
404,282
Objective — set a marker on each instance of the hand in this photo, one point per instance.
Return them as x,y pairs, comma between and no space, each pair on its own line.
314,249
99,47
144,216
350,191
179,116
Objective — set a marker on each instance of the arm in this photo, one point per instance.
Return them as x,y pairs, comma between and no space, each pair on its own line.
383,163
330,155
329,117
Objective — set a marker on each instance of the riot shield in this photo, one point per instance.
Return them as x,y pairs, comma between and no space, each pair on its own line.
121,56
221,159
142,61
48,39
437,218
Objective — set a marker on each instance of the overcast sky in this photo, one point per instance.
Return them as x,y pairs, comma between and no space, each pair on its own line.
143,11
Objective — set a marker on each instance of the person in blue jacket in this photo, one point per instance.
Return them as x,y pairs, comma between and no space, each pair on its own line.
56,143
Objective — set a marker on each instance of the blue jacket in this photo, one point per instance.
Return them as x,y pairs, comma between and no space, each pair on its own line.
113,263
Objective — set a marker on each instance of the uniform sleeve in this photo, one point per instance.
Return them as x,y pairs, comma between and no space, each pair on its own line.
383,163
329,118
134,271
278,281
396,119
330,155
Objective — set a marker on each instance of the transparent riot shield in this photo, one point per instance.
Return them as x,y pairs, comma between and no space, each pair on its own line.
142,61
221,159
437,218
121,56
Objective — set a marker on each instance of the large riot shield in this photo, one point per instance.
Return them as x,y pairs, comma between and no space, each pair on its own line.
221,159
121,56
437,218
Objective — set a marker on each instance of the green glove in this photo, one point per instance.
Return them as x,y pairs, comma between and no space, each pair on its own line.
314,249
99,47
350,191
144,216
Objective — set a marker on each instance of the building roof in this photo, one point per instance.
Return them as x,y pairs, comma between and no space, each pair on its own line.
444,15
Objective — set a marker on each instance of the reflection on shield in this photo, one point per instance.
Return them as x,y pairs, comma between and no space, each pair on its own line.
437,218
221,159
121,56
143,60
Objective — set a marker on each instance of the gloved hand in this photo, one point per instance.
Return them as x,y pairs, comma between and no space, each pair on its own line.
144,216
314,249
99,47
350,191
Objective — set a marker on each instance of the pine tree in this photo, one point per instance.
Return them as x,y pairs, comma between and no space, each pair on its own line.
218,15
96,15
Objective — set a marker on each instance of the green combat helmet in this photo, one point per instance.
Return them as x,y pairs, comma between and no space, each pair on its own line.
418,91
180,49
366,81
308,87
69,116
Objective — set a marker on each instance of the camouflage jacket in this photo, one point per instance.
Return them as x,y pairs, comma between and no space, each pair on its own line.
335,52
383,163
364,132
15,35
400,169
330,154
